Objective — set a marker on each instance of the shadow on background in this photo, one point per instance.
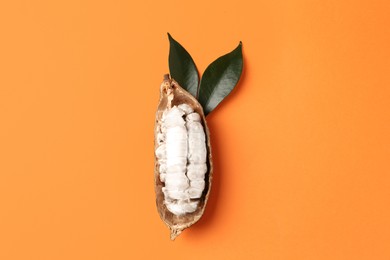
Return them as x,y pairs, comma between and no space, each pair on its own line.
211,212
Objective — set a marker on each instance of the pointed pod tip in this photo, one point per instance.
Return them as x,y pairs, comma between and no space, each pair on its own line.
175,233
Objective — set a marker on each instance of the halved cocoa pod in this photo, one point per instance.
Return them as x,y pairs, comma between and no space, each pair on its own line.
180,124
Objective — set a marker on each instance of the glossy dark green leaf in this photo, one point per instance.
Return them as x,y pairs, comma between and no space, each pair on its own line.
219,79
182,67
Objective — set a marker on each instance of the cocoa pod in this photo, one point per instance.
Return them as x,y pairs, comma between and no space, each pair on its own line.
183,162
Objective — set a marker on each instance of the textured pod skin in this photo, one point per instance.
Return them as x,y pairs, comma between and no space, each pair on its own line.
172,94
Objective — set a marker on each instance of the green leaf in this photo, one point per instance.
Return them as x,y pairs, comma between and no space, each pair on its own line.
219,79
182,67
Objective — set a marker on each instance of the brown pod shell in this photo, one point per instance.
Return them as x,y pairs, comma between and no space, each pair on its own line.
172,94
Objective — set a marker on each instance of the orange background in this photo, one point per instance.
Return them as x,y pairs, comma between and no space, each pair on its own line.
301,147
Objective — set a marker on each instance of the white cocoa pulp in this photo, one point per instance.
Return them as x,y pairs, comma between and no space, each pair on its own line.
181,154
